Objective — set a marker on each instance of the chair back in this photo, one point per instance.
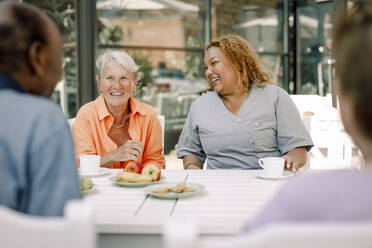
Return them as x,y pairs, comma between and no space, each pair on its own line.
333,148
298,235
75,229
71,121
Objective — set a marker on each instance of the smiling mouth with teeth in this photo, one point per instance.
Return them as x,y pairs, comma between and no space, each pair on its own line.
214,80
116,94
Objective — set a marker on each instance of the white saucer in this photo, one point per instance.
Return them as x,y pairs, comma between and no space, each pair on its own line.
100,172
286,174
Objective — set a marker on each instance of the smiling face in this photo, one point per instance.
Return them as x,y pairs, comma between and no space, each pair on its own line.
116,84
220,72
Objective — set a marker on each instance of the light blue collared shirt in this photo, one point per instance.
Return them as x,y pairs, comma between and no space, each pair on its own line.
38,173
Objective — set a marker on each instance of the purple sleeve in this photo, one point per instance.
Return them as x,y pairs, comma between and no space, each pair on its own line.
292,202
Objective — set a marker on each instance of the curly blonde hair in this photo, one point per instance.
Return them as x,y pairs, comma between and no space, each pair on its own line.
244,59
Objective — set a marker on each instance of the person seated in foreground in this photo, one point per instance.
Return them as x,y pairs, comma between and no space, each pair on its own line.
338,195
245,117
37,170
116,126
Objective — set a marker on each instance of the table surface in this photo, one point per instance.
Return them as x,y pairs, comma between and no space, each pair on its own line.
231,198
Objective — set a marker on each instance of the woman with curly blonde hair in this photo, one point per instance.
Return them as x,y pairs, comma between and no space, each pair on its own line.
245,117
244,59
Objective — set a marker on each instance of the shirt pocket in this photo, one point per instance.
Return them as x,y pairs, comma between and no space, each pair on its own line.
264,134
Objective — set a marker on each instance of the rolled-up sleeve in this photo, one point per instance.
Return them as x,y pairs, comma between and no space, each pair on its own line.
291,131
189,141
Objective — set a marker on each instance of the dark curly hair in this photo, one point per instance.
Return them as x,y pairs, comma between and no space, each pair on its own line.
353,52
244,59
20,26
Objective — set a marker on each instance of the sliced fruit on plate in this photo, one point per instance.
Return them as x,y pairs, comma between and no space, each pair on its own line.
134,167
129,177
152,171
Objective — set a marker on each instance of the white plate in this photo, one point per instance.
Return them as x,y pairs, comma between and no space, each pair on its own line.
100,172
287,174
171,195
125,184
89,190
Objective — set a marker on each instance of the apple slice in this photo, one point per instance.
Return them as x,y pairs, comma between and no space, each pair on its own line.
134,167
153,171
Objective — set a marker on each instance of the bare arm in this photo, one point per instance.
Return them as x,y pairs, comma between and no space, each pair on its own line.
295,158
192,162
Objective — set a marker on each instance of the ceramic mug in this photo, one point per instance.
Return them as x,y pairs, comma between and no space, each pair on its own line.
89,164
272,166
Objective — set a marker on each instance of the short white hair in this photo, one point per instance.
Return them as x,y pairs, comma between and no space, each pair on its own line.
119,58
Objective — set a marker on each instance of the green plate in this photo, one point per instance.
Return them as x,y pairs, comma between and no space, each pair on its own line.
124,184
171,195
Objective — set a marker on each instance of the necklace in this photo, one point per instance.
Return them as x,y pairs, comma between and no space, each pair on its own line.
122,124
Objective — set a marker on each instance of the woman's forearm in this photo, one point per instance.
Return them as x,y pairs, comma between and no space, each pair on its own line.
192,162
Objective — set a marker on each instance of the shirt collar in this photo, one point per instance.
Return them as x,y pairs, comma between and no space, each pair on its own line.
103,111
8,82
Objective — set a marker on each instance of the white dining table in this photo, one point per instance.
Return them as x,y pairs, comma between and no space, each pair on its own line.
128,217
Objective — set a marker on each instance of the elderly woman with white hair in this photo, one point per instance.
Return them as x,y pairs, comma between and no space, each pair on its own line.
116,126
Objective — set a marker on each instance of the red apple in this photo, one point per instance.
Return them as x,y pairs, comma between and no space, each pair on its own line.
153,171
134,167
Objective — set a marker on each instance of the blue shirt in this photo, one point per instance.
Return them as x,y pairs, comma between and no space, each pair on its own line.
38,173
268,124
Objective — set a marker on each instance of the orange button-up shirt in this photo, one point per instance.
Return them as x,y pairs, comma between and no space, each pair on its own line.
93,123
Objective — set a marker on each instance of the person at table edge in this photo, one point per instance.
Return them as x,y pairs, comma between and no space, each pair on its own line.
38,173
245,117
339,195
116,126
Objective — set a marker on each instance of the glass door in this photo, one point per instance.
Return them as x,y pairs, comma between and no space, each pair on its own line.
315,65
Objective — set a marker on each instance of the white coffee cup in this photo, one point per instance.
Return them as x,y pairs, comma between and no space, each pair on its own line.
89,164
272,166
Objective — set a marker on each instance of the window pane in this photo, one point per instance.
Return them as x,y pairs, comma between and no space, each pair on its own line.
63,12
314,62
260,23
150,23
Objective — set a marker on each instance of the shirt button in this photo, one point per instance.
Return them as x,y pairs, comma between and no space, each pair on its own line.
238,120
248,122
256,123
251,140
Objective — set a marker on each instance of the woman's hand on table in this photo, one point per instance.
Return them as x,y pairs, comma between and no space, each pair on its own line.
295,159
129,151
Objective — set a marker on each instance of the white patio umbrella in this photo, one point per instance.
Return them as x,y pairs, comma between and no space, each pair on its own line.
146,5
268,21
273,21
